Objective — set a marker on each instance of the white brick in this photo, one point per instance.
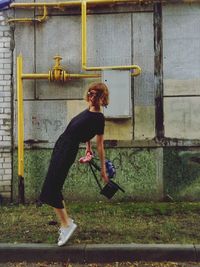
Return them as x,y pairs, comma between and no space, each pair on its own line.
5,60
5,83
7,177
5,144
7,44
6,77
7,138
7,110
7,65
4,49
7,99
5,39
8,53
8,171
5,182
8,159
8,89
4,93
4,116
5,104
5,71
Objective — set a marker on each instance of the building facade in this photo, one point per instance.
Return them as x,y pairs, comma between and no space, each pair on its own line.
153,122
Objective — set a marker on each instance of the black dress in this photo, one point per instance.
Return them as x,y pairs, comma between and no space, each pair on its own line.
82,128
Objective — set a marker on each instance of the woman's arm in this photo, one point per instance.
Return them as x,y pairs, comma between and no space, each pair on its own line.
88,148
101,153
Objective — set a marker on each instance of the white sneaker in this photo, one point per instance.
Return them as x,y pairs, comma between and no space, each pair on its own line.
66,233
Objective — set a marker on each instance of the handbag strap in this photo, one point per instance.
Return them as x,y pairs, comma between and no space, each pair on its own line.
90,163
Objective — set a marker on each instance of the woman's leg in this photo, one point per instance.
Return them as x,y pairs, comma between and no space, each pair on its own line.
62,216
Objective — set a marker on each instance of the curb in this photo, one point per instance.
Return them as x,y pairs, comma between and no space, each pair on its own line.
99,253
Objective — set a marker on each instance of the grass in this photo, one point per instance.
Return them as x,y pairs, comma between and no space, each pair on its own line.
105,222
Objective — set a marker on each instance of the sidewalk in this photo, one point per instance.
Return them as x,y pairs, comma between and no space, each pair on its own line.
101,253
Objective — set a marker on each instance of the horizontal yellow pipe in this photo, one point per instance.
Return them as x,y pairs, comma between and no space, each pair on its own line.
70,3
40,76
136,68
38,19
78,2
30,76
82,75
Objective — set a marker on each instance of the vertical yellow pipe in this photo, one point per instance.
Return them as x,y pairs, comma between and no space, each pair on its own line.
20,124
84,32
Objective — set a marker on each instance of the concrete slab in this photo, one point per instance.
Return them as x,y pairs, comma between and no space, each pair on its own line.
98,253
140,252
41,252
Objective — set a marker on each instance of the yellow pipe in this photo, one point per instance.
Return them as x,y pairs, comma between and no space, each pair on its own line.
72,3
39,19
84,33
46,76
20,120
74,76
137,69
30,76
78,2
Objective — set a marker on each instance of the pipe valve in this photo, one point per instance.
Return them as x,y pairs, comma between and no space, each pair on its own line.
57,73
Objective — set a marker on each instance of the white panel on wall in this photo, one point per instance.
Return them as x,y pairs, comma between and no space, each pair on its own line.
119,85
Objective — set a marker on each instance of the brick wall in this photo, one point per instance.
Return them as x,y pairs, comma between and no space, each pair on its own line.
5,108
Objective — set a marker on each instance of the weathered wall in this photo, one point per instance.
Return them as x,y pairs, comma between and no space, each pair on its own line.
104,44
164,42
181,63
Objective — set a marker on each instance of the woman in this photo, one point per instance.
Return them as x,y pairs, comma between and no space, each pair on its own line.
82,128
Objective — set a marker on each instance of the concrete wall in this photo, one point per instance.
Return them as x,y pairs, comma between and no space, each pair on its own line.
164,42
181,64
